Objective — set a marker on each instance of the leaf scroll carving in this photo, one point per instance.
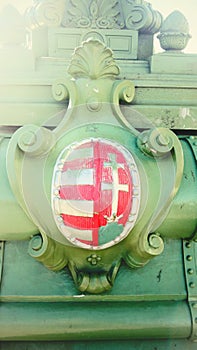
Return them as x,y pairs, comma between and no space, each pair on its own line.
102,14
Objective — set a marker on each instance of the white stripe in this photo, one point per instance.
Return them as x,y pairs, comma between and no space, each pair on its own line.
106,186
123,187
86,177
78,177
109,186
71,232
80,153
76,207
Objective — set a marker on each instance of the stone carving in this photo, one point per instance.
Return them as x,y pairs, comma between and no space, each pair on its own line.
103,14
140,16
174,34
99,14
45,13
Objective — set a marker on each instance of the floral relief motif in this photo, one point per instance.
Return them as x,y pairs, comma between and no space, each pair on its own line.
103,14
94,259
98,14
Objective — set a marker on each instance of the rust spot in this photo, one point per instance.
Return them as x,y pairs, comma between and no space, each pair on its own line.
159,276
193,176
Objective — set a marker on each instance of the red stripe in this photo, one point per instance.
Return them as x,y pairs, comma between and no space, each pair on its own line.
124,175
81,222
95,238
124,206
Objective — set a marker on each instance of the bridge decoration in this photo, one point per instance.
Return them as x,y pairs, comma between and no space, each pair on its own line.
95,14
96,189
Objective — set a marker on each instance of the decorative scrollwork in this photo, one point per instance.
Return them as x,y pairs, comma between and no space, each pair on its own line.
157,142
125,91
142,17
35,140
59,91
45,13
94,283
149,245
48,251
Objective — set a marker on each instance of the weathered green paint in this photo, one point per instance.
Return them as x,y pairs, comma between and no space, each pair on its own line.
128,321
144,344
93,95
44,291
131,285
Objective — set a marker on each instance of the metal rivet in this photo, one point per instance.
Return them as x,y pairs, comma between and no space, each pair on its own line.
36,243
162,140
154,241
189,258
135,192
93,104
188,245
28,138
192,285
190,271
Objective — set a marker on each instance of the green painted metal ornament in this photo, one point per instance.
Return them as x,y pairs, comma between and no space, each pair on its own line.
97,195
96,189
